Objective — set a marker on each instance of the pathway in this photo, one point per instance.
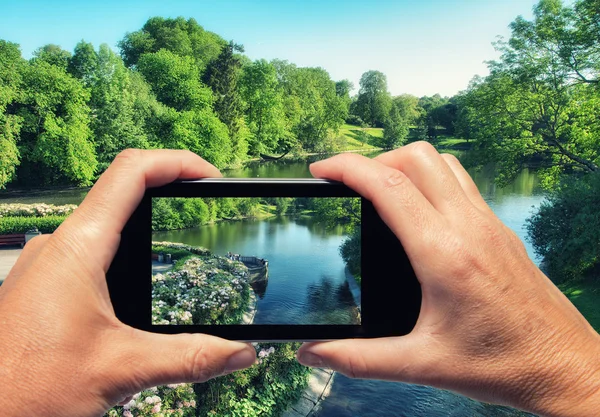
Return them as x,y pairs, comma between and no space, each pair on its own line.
159,267
319,386
8,257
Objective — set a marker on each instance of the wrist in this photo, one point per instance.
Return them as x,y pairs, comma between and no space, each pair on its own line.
568,384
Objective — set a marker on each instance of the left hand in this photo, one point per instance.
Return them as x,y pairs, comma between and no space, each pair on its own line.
62,350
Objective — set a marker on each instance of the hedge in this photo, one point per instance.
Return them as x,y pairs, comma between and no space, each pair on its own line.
17,225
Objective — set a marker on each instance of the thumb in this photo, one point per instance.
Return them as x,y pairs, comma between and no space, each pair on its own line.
393,359
148,359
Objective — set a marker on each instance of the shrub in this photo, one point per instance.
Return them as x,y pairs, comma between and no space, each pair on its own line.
176,400
17,225
179,250
266,389
204,290
355,120
566,229
35,210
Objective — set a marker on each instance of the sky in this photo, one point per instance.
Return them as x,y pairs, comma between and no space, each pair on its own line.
423,46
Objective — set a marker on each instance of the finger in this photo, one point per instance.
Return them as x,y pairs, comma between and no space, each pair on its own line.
126,400
30,251
399,203
466,183
391,359
96,224
147,359
426,169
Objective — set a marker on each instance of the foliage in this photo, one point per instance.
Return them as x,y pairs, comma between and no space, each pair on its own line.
175,80
11,65
54,141
174,400
183,213
315,106
178,250
267,389
179,36
52,55
203,290
540,102
351,253
395,129
223,76
16,225
373,102
264,113
35,210
566,229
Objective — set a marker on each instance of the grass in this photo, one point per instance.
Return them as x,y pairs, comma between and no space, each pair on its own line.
585,295
352,136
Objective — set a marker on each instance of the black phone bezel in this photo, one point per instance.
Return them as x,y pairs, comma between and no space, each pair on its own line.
390,293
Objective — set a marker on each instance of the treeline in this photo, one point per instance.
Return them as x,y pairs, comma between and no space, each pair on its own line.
183,213
65,115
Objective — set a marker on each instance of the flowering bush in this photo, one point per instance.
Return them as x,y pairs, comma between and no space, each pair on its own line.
35,210
176,400
173,248
202,290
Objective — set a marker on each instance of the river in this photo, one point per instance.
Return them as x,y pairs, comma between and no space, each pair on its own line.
306,284
513,205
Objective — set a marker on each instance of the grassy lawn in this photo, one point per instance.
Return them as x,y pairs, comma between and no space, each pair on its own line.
586,297
351,135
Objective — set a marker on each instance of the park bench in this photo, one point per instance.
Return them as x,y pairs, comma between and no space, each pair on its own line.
7,240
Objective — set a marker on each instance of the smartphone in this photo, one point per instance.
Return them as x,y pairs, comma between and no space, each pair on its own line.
262,260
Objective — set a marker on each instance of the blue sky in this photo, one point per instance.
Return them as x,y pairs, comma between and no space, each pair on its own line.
423,46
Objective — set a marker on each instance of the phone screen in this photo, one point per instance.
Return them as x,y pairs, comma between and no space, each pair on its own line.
256,261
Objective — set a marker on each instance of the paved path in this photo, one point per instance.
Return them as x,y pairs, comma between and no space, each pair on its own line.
8,257
319,386
160,267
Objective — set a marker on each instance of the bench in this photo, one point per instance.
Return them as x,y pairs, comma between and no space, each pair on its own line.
12,240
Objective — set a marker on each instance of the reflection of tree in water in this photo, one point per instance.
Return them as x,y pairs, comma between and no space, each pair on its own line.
318,228
260,288
329,303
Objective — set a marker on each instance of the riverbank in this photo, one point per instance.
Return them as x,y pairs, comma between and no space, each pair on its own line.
319,387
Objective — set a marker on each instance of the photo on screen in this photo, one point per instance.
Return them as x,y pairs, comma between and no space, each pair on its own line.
256,260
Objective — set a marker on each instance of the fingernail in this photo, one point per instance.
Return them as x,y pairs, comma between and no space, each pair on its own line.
310,359
240,360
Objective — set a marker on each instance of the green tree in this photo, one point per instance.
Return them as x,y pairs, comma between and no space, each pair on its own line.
395,129
222,76
11,65
84,62
565,231
534,105
115,126
264,114
179,36
53,55
175,80
374,102
201,132
54,142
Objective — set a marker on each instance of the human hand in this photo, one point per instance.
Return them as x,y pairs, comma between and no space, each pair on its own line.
492,326
62,350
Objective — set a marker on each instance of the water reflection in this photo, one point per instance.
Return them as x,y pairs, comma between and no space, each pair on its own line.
306,273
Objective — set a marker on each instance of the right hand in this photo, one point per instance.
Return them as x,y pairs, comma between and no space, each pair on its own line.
492,326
